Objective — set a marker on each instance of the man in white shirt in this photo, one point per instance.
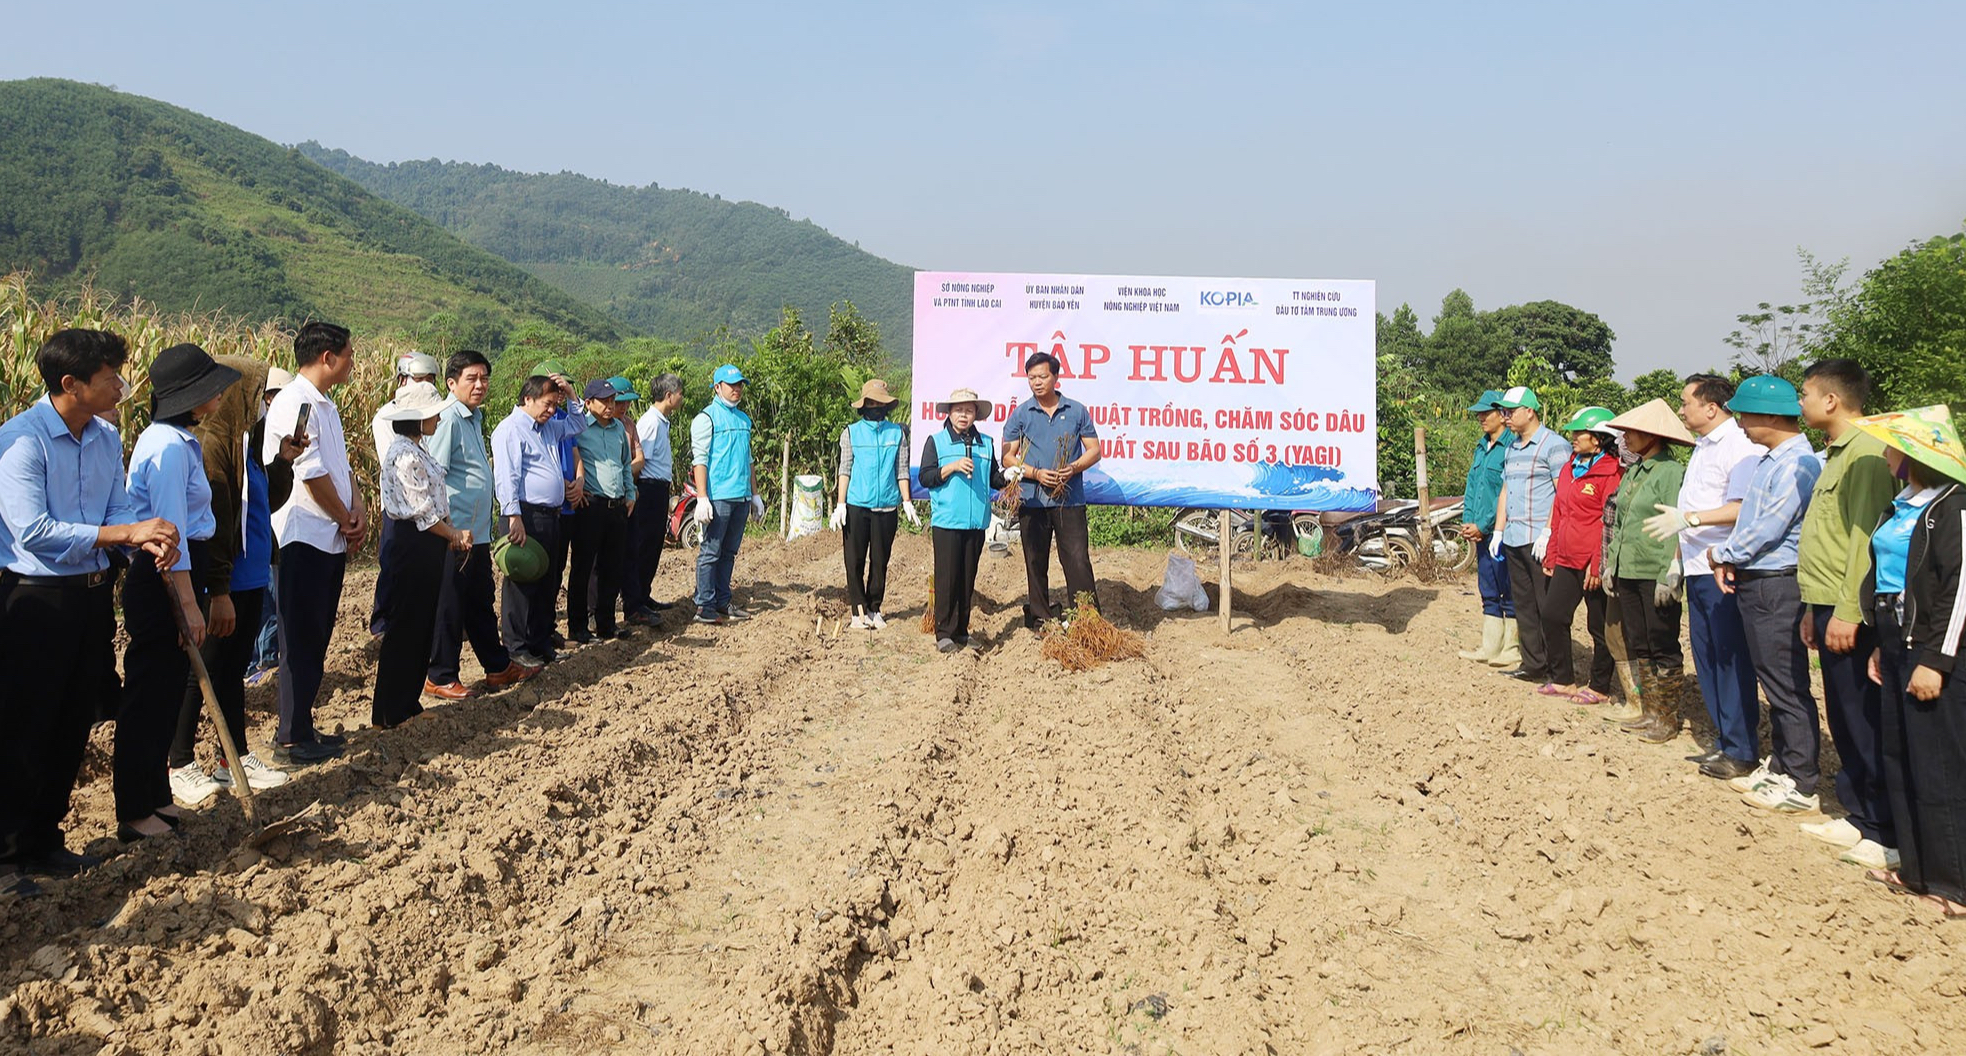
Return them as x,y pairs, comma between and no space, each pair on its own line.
648,526
1717,478
412,366
316,527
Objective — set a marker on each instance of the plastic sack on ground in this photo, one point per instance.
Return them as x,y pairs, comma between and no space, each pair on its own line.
1181,588
808,506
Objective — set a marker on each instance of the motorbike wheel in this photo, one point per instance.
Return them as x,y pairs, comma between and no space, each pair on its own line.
691,535
1387,553
1195,535
1452,552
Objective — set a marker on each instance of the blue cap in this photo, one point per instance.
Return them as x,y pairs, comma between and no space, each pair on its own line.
1487,400
728,374
623,388
598,389
1766,394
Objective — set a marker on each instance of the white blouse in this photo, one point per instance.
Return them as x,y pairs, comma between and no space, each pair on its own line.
413,485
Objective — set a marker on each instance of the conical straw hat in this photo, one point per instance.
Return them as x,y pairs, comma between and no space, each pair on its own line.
1924,433
1655,417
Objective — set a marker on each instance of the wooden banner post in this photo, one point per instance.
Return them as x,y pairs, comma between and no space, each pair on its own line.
1422,532
1225,543
785,490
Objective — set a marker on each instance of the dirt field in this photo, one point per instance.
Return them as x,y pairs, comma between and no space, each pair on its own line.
1320,834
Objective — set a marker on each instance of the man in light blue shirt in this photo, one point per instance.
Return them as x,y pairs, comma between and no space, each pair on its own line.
1757,565
727,491
1536,454
600,534
62,506
527,478
649,524
465,600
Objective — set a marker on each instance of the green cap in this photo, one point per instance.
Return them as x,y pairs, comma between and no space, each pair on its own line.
523,563
1519,396
1486,401
1588,418
548,368
1766,394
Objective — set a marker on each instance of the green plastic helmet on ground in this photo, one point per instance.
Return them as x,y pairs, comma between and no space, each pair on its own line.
523,563
1588,418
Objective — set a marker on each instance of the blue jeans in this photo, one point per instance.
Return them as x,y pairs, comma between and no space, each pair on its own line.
718,554
265,654
1720,660
1492,579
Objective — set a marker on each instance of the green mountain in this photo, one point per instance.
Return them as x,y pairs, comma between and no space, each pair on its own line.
153,201
674,263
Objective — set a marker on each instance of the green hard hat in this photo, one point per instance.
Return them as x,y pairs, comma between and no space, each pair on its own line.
522,563
1588,418
1766,394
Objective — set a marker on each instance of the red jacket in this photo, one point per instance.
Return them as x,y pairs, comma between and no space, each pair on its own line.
1577,521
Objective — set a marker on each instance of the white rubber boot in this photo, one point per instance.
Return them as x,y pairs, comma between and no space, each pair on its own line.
1510,655
1491,641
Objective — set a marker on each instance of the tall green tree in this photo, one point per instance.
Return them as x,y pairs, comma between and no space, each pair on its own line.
1576,343
1906,322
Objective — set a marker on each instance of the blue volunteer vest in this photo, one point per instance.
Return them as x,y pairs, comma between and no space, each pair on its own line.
729,471
876,450
962,502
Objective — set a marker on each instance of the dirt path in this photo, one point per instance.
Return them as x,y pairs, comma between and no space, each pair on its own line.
1320,834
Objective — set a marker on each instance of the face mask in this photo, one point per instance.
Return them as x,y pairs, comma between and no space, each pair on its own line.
876,412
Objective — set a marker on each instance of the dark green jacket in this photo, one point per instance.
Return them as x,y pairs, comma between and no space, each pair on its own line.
1629,553
1484,485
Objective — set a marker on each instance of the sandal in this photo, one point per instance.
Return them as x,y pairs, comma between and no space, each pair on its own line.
1551,689
1948,909
1588,695
1889,878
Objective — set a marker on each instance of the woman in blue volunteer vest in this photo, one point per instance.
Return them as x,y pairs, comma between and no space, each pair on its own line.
959,470
873,486
726,483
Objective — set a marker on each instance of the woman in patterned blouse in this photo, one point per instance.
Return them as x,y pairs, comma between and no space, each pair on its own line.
413,495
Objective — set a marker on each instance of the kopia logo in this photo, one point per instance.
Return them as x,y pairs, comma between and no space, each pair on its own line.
1227,299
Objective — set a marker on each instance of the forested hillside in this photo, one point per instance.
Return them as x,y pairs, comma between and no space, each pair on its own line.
673,263
151,201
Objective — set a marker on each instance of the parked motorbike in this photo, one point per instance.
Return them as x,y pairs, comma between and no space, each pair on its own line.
1385,540
683,529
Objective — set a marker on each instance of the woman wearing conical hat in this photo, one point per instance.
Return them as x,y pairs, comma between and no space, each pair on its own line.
1916,598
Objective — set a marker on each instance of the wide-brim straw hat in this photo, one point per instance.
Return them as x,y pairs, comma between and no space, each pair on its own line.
1925,434
984,408
874,392
184,378
414,402
1657,418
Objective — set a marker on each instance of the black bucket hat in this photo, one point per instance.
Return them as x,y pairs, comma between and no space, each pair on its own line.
183,377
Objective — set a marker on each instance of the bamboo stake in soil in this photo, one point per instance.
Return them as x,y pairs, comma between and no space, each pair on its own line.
241,786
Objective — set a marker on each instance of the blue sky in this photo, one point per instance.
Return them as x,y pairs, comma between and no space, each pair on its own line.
1658,164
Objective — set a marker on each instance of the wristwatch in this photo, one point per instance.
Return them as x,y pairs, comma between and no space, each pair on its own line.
1692,520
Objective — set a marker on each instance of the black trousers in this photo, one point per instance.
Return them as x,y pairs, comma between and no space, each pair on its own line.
527,608
958,551
155,669
467,601
1924,764
1039,525
1651,632
225,660
557,571
1850,709
385,582
869,543
648,529
1529,586
60,650
1771,611
310,591
600,541
420,562
1565,591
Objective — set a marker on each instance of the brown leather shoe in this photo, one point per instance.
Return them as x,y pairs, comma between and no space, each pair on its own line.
514,673
449,690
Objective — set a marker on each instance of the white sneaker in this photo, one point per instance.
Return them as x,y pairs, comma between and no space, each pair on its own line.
859,623
1754,780
1837,832
191,785
877,621
258,774
1871,855
1778,795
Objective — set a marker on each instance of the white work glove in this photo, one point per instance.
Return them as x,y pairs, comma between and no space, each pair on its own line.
1668,522
704,512
1013,474
1610,586
1495,546
1542,547
757,506
838,520
1667,592
908,511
